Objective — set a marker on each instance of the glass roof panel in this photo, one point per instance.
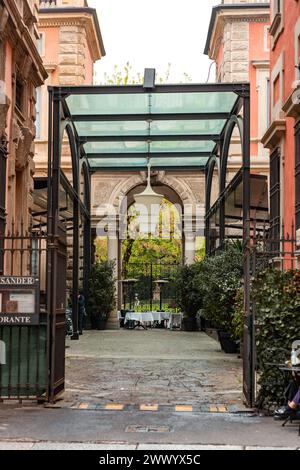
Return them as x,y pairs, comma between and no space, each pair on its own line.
142,162
187,127
142,147
155,103
117,162
109,104
116,147
137,128
115,128
179,161
182,146
213,102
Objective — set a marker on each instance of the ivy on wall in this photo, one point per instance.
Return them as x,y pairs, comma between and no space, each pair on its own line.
276,296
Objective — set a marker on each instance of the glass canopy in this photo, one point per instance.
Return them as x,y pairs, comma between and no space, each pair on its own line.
175,126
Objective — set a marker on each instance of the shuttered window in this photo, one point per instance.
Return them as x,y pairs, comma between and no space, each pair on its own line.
297,174
275,199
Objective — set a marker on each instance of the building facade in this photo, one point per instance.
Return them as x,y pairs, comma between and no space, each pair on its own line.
21,73
238,43
283,135
70,43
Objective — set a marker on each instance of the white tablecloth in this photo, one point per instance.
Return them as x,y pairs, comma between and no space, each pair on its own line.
161,316
141,317
144,317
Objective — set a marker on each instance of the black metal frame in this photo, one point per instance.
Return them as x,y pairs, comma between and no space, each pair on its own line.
220,160
3,160
58,124
240,89
60,119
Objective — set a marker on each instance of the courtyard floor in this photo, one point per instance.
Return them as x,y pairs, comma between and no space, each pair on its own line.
129,369
150,367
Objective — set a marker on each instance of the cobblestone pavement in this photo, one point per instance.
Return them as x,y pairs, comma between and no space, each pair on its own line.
151,367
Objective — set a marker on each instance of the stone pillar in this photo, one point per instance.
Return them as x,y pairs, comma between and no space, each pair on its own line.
72,55
190,248
113,255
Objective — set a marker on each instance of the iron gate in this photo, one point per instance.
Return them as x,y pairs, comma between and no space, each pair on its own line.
263,250
149,286
33,363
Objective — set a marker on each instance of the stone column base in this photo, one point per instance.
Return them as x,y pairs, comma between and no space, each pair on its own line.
113,321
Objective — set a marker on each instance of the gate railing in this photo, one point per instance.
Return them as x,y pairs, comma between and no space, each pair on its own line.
262,251
24,359
149,286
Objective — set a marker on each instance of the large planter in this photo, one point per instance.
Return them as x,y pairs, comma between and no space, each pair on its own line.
190,324
228,345
98,322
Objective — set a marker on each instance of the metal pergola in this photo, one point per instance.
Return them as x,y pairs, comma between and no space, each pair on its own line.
120,128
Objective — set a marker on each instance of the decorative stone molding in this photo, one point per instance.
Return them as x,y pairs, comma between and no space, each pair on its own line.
274,134
23,139
292,105
80,19
180,186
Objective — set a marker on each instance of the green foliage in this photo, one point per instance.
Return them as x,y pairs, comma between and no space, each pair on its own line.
102,290
238,315
153,251
219,280
101,249
164,245
125,75
188,289
276,296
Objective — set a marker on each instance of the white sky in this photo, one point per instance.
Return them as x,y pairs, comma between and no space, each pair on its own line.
153,33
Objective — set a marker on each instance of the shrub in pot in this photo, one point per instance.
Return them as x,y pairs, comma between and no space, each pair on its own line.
188,295
102,293
219,280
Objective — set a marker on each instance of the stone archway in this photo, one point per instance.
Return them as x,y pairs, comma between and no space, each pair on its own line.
188,189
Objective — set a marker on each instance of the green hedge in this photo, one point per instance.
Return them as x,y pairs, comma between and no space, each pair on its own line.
276,296
220,279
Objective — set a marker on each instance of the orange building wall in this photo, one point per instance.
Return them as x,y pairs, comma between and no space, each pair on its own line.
286,43
257,52
51,49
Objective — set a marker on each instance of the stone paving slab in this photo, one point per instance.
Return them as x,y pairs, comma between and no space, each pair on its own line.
151,367
21,446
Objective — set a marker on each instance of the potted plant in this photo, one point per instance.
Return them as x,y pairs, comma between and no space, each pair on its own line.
220,279
188,295
102,293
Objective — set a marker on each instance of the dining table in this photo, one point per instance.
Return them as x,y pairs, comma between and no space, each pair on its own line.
143,318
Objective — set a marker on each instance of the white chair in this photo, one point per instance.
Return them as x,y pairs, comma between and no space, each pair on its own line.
175,321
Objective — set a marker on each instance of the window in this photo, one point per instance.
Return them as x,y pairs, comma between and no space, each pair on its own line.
276,86
277,12
19,94
268,103
38,107
41,44
275,200
297,174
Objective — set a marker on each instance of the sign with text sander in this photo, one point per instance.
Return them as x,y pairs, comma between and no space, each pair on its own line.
19,300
